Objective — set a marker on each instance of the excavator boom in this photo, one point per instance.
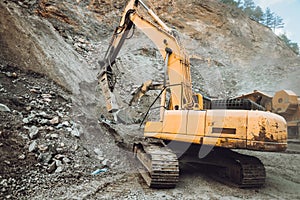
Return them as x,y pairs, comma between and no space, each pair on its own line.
178,66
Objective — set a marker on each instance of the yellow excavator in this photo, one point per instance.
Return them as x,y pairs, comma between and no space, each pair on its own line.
191,128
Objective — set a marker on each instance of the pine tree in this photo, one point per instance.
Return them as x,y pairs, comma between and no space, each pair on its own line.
293,45
249,4
268,18
258,14
234,3
277,23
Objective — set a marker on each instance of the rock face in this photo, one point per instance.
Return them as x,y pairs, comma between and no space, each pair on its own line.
237,55
31,42
232,54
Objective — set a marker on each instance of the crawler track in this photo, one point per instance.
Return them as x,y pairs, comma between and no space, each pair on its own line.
231,167
248,171
159,165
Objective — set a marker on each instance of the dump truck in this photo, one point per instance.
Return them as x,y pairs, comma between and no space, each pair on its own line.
284,102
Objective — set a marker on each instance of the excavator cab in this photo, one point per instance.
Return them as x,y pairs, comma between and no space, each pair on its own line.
198,101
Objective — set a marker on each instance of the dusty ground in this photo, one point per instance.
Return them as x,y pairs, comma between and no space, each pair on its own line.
51,140
41,144
26,172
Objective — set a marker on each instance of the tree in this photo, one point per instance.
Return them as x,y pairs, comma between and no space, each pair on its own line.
268,18
293,45
248,11
249,4
285,39
258,14
234,3
277,23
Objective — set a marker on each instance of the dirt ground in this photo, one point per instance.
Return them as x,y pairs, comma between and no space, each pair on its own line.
26,172
41,145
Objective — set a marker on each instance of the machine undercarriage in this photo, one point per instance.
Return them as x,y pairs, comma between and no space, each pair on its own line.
160,165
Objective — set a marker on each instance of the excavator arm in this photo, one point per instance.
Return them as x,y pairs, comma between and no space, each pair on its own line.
176,61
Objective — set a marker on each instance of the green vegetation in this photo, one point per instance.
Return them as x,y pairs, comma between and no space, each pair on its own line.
293,45
267,18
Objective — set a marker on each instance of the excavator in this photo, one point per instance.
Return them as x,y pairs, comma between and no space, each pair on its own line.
188,131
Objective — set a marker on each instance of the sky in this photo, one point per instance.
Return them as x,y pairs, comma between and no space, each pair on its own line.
289,11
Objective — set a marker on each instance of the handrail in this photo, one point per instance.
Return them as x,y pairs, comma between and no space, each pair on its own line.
150,107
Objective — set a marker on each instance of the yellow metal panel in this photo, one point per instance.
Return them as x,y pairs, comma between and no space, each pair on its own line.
155,127
266,146
196,123
266,131
175,121
226,124
224,142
